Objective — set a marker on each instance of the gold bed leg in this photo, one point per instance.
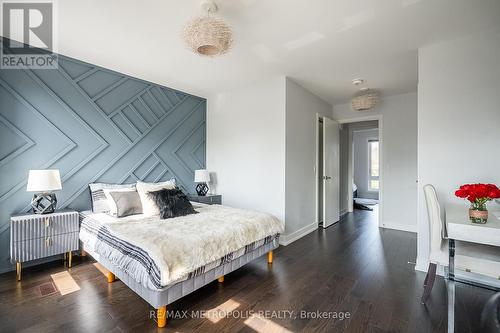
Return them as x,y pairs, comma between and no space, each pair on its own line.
111,277
162,316
270,257
221,279
83,254
70,259
18,270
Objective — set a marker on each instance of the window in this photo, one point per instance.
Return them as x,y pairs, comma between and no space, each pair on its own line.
373,158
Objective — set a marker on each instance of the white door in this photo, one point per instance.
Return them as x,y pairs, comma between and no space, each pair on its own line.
331,173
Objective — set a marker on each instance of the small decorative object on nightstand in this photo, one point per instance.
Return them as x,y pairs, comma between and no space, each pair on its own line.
210,199
202,177
34,236
44,182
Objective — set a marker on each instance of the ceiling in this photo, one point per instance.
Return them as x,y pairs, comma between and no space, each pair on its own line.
321,44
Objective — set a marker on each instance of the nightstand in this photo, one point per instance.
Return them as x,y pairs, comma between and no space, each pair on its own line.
209,199
37,236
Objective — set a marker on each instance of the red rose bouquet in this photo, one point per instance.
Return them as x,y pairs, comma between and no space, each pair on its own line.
478,195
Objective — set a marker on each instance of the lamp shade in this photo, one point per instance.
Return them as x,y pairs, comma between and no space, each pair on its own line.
44,181
201,176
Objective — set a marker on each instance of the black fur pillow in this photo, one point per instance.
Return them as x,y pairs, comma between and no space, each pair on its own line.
172,203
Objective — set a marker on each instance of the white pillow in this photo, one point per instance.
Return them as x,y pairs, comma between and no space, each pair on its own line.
99,199
149,207
113,210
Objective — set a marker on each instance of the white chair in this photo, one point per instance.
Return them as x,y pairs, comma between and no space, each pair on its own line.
470,257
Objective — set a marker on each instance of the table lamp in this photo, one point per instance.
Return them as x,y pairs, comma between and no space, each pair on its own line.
202,177
44,183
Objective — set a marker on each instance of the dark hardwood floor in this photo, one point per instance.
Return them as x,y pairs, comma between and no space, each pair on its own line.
353,266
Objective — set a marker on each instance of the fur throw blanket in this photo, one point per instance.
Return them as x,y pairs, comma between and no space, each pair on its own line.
182,244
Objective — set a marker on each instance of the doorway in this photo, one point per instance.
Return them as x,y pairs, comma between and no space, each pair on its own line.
361,167
327,171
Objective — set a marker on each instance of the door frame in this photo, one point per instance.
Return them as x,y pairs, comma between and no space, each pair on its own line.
350,167
316,167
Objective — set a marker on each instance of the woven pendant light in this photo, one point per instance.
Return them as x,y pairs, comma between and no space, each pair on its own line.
208,35
365,100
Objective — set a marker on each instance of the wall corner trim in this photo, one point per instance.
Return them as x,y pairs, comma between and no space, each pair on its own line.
400,227
290,238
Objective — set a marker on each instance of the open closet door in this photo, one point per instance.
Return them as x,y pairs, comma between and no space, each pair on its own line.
331,174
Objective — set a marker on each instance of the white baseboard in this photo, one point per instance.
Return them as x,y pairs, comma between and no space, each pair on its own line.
401,227
343,212
290,238
422,266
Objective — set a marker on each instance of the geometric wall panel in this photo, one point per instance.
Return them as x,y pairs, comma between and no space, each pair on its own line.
93,124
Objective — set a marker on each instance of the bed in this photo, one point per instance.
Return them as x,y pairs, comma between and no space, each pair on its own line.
164,260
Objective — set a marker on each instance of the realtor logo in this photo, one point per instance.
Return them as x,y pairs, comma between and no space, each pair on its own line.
28,35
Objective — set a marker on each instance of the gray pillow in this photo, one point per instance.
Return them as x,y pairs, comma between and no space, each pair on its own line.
127,202
99,200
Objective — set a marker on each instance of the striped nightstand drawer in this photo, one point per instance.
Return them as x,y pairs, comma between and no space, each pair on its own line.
35,236
25,227
38,248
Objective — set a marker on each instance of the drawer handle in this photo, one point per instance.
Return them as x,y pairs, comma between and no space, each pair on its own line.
47,222
48,241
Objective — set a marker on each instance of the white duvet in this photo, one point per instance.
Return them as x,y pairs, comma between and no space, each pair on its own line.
182,244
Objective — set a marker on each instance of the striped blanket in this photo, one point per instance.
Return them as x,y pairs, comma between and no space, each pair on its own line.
171,254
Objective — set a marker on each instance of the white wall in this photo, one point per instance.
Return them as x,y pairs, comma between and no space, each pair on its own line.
261,147
458,120
361,161
246,146
301,109
399,157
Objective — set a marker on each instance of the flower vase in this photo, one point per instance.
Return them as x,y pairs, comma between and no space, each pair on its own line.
478,214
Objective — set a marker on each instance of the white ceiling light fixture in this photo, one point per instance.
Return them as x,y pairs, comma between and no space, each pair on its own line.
365,99
207,35
358,81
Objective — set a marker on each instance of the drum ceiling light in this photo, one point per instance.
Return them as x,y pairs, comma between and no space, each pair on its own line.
208,35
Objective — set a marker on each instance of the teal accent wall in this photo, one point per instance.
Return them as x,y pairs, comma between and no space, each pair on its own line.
94,125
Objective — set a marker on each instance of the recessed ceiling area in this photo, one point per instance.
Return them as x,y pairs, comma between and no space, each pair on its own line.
321,44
